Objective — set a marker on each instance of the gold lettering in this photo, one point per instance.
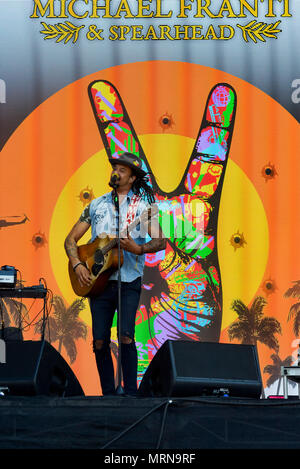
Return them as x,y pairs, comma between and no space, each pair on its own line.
63,9
181,30
271,13
42,11
226,6
137,32
210,32
124,30
184,7
72,12
96,7
165,31
205,8
197,30
142,7
151,34
245,4
286,8
114,31
222,30
159,14
124,7
270,9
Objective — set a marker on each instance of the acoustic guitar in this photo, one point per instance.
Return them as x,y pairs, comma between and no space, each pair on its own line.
101,258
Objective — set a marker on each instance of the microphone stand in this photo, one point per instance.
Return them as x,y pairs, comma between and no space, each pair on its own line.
2,321
119,389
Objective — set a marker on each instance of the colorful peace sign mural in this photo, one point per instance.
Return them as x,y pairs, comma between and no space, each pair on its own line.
222,161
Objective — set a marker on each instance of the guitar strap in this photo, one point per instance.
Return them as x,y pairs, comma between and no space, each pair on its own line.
131,212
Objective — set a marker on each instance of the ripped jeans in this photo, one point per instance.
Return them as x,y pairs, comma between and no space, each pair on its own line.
103,309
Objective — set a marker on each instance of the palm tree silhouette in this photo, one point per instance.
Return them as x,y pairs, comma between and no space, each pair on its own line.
252,326
12,312
294,312
64,326
275,370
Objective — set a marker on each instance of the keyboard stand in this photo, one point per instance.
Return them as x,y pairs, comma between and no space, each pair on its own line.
38,291
292,373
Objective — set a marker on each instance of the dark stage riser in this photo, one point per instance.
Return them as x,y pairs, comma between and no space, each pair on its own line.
39,422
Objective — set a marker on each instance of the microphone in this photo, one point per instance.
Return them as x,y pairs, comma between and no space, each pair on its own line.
114,179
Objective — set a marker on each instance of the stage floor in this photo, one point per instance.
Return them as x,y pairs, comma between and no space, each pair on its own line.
148,423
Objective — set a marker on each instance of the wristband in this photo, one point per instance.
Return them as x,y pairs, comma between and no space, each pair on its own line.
76,265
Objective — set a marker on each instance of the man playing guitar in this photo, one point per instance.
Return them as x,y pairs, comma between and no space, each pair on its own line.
134,195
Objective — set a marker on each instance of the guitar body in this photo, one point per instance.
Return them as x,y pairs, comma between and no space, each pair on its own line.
102,263
101,258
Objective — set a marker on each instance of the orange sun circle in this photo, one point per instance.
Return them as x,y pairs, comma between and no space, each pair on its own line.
63,135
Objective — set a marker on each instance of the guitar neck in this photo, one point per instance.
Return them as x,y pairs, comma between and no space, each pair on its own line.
114,241
109,246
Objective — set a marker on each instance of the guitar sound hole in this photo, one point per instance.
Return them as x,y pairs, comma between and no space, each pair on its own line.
98,257
99,261
96,269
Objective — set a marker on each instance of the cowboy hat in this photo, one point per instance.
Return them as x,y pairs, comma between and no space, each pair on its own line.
128,159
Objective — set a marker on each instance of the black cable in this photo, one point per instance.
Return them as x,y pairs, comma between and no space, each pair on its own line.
20,305
20,302
163,424
186,400
32,321
50,301
45,310
133,425
235,401
2,319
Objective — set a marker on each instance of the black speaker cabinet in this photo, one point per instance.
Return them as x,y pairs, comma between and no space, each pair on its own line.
11,333
36,368
187,368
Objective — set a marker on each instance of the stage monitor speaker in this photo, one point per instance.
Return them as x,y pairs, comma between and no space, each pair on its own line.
37,368
11,333
189,368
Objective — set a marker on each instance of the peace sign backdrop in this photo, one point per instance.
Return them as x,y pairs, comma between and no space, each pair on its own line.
55,163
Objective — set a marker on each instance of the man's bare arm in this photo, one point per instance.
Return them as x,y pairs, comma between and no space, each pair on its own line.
154,245
158,241
78,230
82,272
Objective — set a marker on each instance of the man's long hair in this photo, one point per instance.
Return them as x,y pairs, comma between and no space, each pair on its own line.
141,187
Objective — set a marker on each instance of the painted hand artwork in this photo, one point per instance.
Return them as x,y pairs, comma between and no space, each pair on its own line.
182,291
